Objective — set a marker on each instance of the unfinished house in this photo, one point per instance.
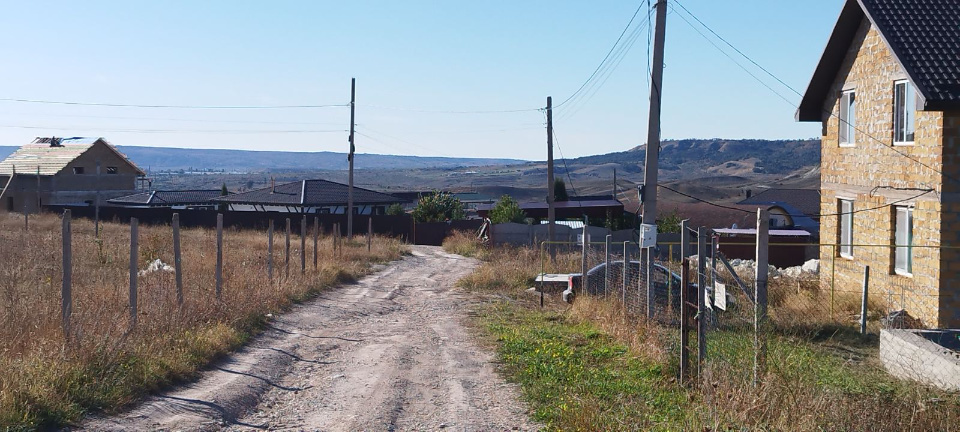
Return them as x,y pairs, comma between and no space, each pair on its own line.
887,93
60,171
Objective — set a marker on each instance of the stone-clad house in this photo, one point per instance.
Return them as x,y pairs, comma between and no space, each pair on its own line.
64,171
887,92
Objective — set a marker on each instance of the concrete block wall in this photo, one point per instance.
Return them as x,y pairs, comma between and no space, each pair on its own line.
875,173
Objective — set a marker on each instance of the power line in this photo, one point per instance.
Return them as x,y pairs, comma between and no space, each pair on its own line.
151,131
428,111
119,105
702,200
605,58
564,160
193,120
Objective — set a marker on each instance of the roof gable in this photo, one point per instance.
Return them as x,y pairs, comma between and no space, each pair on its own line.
317,192
922,35
39,156
806,201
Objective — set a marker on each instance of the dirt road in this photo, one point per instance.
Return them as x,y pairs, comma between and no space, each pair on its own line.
388,353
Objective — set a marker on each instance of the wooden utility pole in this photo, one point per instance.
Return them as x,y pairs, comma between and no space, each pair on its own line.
353,106
177,258
134,255
653,128
551,210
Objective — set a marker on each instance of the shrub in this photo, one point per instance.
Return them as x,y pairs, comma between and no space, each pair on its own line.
507,210
438,207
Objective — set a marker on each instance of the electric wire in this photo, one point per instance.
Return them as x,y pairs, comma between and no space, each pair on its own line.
429,111
200,107
174,131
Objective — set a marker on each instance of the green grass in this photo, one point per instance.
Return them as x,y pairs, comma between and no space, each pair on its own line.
575,377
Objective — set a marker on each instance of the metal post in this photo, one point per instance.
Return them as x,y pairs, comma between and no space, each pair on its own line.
177,258
684,320
626,268
219,275
583,259
702,310
66,288
303,245
760,306
863,303
369,233
606,265
134,255
651,300
316,239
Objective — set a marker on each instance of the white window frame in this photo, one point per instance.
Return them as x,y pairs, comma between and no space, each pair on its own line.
904,113
847,134
845,227
903,240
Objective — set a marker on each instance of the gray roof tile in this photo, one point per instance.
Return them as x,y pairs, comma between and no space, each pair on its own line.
310,193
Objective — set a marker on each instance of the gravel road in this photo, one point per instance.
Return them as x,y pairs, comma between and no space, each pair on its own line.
388,353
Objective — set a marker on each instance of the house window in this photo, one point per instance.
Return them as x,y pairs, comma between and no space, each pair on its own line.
111,170
903,240
78,170
848,118
846,228
904,112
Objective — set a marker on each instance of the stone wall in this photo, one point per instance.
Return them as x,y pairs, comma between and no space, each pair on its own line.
875,174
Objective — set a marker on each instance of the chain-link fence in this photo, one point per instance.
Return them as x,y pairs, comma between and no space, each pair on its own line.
840,324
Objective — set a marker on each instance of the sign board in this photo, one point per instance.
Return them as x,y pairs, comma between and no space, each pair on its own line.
648,235
720,296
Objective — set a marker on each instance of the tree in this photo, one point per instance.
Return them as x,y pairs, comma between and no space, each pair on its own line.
438,207
507,210
559,190
669,222
395,209
223,190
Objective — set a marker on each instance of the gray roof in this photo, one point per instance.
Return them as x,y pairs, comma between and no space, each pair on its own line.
924,37
168,198
310,193
804,200
50,159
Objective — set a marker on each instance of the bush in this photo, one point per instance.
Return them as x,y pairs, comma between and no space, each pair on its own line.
438,207
395,210
507,210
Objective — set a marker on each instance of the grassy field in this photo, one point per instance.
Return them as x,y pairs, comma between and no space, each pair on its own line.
46,381
592,366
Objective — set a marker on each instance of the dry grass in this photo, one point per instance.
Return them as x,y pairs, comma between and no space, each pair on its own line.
46,381
821,374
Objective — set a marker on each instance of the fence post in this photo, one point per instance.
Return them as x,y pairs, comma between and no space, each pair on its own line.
134,255
606,264
66,294
651,301
177,258
219,273
286,256
702,310
684,318
303,245
760,306
369,233
583,259
316,239
626,266
26,217
270,250
684,239
863,303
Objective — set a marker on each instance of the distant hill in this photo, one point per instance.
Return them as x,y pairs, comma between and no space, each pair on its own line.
715,157
7,151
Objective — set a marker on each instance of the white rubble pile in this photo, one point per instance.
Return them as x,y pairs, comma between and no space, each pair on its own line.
155,266
749,267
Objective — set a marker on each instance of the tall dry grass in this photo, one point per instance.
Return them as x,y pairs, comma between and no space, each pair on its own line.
47,381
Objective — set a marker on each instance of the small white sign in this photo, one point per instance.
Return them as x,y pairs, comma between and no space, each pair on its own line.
648,235
720,296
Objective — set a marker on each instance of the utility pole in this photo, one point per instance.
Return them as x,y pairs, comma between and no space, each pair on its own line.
353,105
614,183
551,211
653,128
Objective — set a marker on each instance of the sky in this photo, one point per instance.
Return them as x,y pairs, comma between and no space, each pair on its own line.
433,78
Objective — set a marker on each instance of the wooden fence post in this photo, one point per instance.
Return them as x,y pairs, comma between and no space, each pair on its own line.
584,288
177,258
760,306
369,233
606,265
270,250
316,239
303,245
626,267
286,256
66,292
219,256
134,256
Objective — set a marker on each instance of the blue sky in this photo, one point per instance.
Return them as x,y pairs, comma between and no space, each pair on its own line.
416,64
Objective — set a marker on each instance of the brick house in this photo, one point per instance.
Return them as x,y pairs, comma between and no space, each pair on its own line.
887,93
50,171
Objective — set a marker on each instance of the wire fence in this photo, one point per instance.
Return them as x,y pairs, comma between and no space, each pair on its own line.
842,323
